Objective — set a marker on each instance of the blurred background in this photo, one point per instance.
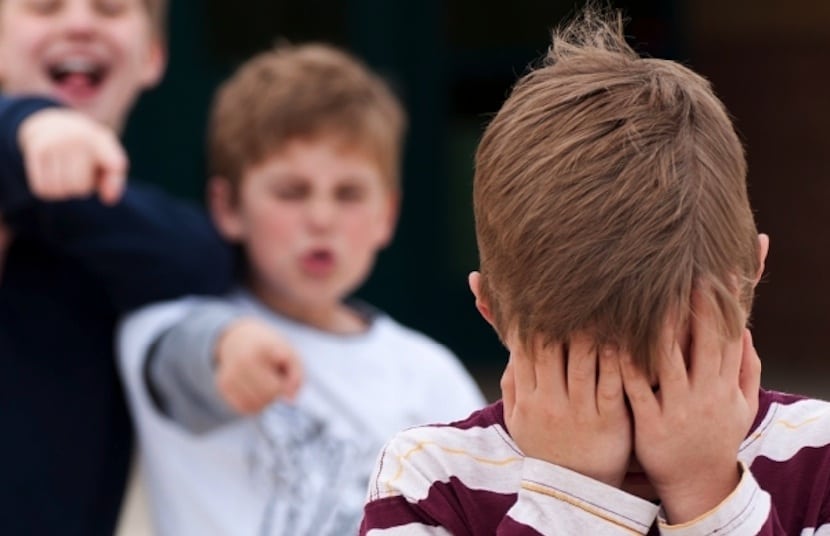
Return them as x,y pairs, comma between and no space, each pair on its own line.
453,62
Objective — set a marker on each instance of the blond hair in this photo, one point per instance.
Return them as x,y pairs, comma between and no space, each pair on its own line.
606,188
303,91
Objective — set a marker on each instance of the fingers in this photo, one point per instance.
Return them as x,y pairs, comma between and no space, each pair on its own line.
637,387
524,373
288,372
51,183
671,365
582,371
706,350
255,365
732,355
549,371
749,377
72,174
68,155
238,394
251,388
610,399
112,170
62,176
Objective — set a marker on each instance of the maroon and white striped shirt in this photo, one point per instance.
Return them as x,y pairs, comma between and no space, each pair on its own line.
470,478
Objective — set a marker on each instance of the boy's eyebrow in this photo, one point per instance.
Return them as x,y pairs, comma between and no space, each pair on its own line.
357,179
284,176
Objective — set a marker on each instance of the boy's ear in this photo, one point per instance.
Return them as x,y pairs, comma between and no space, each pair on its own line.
390,219
474,279
155,63
222,202
763,250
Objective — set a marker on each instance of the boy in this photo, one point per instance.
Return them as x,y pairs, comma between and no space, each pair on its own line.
75,264
236,439
618,260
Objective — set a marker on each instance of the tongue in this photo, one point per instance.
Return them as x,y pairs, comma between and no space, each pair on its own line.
77,86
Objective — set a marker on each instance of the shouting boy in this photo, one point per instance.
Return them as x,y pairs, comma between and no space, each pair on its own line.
305,148
618,260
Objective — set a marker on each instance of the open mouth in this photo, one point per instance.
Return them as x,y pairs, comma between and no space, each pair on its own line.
318,262
77,77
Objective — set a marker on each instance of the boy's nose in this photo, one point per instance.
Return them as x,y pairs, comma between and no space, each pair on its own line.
79,18
321,214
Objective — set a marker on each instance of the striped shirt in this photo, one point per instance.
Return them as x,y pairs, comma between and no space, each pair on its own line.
470,478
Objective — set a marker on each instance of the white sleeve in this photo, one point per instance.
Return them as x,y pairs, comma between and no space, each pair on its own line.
552,496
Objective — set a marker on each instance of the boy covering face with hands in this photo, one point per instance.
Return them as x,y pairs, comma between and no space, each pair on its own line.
618,261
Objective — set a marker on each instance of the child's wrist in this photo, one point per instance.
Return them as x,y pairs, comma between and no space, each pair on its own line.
694,498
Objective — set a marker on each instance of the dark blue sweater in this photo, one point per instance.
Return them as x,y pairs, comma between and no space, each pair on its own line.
73,269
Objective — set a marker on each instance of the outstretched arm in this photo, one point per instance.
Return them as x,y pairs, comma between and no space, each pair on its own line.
147,247
217,364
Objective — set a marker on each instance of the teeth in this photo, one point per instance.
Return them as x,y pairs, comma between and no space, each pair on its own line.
77,65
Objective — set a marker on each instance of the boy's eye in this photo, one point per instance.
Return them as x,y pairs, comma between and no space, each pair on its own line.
351,193
43,7
111,8
289,192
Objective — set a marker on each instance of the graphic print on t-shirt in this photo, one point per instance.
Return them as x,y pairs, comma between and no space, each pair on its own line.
317,479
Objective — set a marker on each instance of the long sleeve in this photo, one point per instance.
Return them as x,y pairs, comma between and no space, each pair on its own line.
179,368
452,476
149,247
555,500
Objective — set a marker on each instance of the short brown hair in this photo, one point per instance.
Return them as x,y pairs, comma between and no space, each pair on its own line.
606,188
157,10
303,91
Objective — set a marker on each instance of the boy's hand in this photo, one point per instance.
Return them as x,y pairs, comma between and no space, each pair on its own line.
255,366
69,155
559,410
687,434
